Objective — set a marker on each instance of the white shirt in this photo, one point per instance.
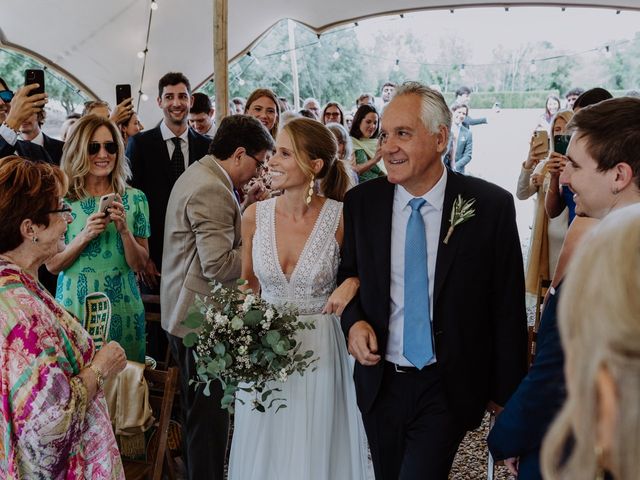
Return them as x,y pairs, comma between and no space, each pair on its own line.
432,216
38,139
10,136
167,135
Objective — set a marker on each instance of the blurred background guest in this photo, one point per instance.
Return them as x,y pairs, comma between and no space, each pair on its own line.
313,106
68,124
364,135
345,150
551,107
460,146
129,127
332,112
263,105
599,424
239,103
53,417
104,249
202,115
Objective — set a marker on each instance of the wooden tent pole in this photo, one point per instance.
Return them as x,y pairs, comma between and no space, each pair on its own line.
220,58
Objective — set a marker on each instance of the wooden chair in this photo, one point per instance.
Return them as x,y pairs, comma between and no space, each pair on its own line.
97,317
152,317
162,389
532,332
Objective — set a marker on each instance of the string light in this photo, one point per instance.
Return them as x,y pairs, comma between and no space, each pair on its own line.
336,55
607,51
283,57
396,67
144,97
154,5
462,71
241,81
141,54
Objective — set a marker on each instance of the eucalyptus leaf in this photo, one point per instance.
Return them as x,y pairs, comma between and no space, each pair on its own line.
190,339
219,348
272,337
207,391
194,319
253,318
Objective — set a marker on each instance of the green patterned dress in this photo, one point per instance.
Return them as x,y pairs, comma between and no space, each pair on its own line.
102,267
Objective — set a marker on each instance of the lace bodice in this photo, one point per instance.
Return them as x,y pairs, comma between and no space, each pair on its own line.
314,277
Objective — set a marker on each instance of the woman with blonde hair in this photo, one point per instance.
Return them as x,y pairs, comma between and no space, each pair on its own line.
264,105
53,416
104,248
600,329
291,251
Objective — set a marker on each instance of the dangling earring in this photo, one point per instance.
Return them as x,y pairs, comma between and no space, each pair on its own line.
310,194
599,452
34,239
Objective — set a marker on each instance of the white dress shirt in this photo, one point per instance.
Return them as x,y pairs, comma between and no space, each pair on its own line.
9,136
38,139
432,215
167,135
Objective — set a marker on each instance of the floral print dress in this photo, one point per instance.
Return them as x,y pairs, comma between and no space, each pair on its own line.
49,429
102,267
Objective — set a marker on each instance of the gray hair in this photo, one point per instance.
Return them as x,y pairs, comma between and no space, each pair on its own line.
435,112
599,320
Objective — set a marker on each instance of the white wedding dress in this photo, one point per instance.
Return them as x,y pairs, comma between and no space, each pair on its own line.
319,435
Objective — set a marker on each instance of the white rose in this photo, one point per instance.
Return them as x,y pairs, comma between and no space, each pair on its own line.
269,314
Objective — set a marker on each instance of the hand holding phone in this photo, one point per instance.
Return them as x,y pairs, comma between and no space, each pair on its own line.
105,203
540,141
34,76
123,92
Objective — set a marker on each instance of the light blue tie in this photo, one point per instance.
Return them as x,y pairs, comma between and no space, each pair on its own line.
418,345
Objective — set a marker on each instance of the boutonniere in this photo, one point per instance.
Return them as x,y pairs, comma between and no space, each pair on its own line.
461,211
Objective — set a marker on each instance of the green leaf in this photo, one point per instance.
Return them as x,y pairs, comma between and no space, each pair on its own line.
190,339
194,319
260,407
253,317
241,281
207,391
219,349
237,323
282,405
265,395
272,337
226,400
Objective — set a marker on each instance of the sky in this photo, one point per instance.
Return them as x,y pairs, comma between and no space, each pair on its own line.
575,29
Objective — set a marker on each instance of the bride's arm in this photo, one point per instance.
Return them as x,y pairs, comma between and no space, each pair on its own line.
248,230
342,295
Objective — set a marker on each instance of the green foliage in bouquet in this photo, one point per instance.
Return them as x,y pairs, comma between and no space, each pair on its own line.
246,344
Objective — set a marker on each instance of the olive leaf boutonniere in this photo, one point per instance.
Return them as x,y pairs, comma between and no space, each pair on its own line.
461,211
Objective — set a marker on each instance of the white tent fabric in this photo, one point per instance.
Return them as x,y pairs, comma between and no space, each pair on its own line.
95,43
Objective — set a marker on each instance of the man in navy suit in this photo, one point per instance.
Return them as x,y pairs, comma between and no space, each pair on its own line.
156,162
438,326
460,142
14,110
31,131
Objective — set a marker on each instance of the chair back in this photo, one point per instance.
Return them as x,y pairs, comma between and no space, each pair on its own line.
97,317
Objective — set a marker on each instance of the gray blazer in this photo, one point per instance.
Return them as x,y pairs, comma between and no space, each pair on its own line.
201,240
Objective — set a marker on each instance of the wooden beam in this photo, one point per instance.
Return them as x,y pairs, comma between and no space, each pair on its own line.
220,57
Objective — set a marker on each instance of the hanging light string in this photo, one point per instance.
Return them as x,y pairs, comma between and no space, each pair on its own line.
152,7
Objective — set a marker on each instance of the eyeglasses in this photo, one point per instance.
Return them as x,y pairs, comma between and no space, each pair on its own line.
332,114
6,95
62,211
260,163
110,147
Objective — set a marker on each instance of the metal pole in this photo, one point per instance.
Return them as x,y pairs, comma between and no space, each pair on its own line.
220,58
294,64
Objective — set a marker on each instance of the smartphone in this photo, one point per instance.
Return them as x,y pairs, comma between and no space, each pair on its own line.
34,76
560,143
105,203
541,137
123,92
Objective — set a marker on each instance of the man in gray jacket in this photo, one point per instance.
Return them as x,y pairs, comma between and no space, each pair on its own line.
201,245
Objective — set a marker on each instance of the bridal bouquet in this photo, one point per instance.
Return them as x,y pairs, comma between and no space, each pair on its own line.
245,343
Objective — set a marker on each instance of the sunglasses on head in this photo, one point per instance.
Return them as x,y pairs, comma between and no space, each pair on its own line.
6,95
110,147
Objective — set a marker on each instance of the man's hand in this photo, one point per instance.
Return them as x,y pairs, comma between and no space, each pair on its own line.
363,344
23,106
150,275
512,465
122,112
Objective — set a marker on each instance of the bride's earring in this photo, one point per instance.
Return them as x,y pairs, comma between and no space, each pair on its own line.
310,194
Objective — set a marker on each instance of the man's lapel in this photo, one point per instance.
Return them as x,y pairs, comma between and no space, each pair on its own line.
446,252
162,146
381,225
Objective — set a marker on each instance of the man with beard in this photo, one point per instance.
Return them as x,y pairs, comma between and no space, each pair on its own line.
159,156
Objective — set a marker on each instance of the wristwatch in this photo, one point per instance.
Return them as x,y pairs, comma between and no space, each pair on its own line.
99,376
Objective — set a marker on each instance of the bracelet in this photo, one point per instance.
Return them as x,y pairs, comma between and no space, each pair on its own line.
5,124
99,376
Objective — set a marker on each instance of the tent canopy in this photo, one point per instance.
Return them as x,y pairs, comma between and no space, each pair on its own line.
95,44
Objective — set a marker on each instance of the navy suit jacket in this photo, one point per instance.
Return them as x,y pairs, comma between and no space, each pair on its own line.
479,320
149,159
53,148
24,149
520,428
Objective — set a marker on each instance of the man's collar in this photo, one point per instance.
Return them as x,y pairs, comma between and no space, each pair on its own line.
434,197
168,134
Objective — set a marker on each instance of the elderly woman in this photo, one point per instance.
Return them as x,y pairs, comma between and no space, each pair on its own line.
104,249
53,417
364,136
600,331
263,105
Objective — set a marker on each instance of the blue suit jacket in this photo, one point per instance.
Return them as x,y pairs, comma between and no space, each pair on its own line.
520,428
463,150
26,150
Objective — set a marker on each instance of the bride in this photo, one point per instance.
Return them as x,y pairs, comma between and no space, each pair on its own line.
291,248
